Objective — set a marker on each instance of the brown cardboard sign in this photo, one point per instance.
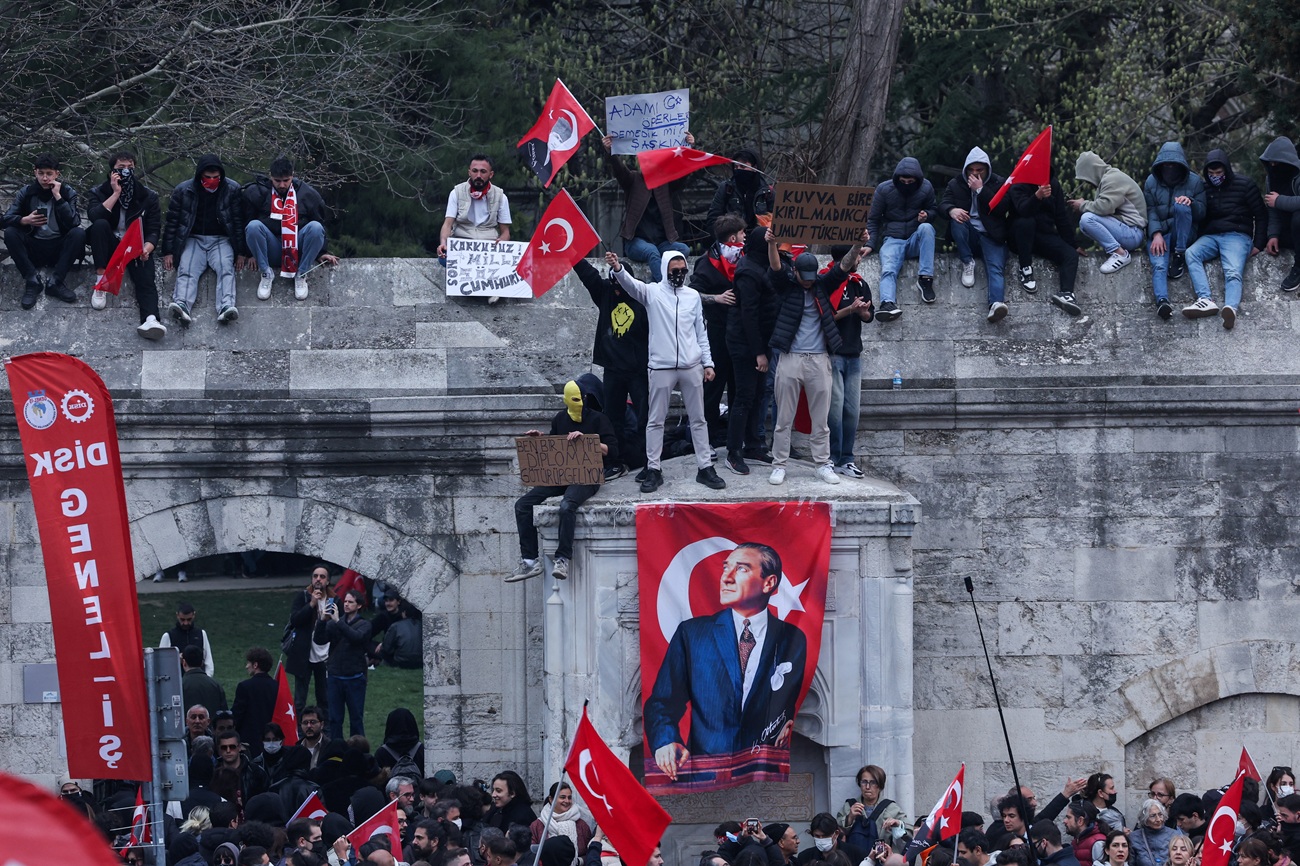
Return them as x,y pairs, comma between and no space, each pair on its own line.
809,213
555,461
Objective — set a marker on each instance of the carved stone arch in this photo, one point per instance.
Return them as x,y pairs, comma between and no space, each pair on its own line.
814,718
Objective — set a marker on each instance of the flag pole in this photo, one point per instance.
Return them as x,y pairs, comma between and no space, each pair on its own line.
546,825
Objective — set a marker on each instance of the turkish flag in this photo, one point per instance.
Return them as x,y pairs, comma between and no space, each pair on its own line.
128,250
1220,833
556,135
285,715
140,831
630,817
383,821
563,236
667,164
1247,766
312,807
944,820
1034,166
44,830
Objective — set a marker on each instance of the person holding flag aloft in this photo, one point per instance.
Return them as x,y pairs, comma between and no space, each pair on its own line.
112,207
650,226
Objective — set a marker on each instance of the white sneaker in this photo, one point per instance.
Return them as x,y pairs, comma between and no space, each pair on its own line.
1201,308
180,576
1117,260
997,311
827,473
157,577
300,288
850,470
152,329
968,274
98,299
264,287
777,476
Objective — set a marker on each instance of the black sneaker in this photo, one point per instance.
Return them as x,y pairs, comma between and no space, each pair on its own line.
888,312
1065,300
736,463
180,312
925,285
1027,281
612,472
1177,265
708,476
57,289
31,292
758,455
653,480
1164,309
1292,281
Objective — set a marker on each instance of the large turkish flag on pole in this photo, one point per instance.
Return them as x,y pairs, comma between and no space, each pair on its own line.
1034,166
564,235
384,821
667,164
65,420
1220,833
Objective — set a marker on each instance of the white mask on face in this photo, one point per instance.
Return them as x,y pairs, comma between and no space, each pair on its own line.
456,821
824,844
730,253
271,747
1285,790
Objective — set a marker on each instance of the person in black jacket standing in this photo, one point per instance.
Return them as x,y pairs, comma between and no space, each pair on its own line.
205,228
112,207
348,634
714,278
265,201
254,705
42,228
303,657
749,330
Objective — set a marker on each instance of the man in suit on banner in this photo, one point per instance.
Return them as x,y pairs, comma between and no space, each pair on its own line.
741,670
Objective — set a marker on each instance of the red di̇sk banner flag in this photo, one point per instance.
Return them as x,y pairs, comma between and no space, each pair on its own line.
1034,166
1220,833
732,602
556,135
384,821
285,716
65,419
128,250
42,829
563,236
630,817
667,164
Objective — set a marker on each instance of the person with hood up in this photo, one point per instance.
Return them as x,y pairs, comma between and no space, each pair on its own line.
42,228
650,224
112,207
747,194
581,415
295,249
1042,224
1235,228
749,330
714,278
967,201
900,224
679,358
1175,198
205,228
1114,218
1282,167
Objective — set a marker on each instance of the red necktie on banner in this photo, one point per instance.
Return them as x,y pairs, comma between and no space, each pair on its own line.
1221,832
564,235
128,250
313,807
667,164
140,832
41,829
69,441
556,135
1247,766
285,715
1034,166
632,819
383,821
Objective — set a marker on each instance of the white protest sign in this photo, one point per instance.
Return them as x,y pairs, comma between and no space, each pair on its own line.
646,121
480,269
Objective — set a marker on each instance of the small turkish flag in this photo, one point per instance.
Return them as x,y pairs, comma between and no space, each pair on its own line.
41,829
632,819
1247,766
1034,166
285,716
383,821
1221,832
140,833
667,164
563,236
312,808
944,820
128,250
556,135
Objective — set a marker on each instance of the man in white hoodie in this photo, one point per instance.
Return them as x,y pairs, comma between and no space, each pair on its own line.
679,358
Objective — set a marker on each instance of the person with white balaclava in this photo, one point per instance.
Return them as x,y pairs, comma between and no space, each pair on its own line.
581,415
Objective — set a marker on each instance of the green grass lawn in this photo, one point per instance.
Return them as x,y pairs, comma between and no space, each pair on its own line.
237,621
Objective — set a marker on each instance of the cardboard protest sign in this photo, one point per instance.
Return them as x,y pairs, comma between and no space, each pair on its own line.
648,121
556,461
808,213
484,268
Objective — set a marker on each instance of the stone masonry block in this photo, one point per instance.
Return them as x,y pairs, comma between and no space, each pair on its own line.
418,371
30,604
1102,574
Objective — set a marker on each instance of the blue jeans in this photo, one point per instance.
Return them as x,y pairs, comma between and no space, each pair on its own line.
265,245
1111,232
647,253
846,404
347,692
1175,240
1233,249
200,253
993,253
893,251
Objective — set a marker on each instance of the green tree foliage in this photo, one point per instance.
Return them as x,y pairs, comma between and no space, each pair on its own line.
1272,29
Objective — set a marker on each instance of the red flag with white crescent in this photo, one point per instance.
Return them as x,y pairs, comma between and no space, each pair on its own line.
625,811
383,821
667,164
1221,831
69,442
556,135
564,235
42,829
140,831
944,820
285,714
313,807
1247,766
1034,166
129,248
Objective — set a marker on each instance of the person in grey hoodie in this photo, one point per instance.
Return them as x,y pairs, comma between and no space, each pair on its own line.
1283,202
1175,205
966,201
1234,229
1116,215
900,225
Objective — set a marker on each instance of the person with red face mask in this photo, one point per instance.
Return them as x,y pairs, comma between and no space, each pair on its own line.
476,209
205,228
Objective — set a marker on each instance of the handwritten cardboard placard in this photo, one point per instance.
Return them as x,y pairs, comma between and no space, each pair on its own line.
807,213
480,269
646,121
555,461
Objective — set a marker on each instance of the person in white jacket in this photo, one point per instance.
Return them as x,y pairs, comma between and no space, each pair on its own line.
679,358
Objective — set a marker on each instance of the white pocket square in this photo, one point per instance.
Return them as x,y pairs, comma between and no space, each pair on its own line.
778,676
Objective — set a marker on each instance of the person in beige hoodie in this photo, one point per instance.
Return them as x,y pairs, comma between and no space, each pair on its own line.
1116,217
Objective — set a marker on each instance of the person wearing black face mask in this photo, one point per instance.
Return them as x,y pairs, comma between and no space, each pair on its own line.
1175,197
901,226
1100,791
1235,229
746,194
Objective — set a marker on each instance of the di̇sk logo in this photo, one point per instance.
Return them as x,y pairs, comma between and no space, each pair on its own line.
39,411
77,406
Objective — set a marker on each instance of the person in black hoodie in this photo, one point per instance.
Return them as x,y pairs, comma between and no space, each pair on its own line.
42,228
749,330
901,225
1282,166
714,279
746,194
205,228
581,415
112,207
264,201
1042,224
1235,228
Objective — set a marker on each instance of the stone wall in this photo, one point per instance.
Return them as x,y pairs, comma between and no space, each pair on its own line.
1118,488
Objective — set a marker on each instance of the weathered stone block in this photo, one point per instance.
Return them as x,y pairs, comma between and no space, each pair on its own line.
1102,574
414,371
